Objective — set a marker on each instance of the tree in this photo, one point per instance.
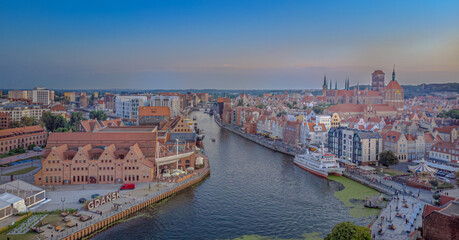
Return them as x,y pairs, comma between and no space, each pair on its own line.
53,122
348,231
387,158
99,115
28,121
281,113
261,106
76,118
318,109
61,129
456,176
31,146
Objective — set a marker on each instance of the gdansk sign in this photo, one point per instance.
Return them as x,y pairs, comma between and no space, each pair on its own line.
103,200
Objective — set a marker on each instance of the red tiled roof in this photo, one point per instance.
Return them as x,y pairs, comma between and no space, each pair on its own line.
429,209
393,85
58,108
346,107
154,111
391,136
384,108
20,131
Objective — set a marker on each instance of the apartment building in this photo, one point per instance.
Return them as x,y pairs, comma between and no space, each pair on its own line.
4,120
127,107
17,94
17,110
173,102
21,137
445,151
358,146
42,96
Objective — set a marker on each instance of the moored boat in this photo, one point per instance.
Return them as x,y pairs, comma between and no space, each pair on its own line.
319,163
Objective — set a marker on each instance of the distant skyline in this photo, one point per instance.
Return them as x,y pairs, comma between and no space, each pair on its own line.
257,44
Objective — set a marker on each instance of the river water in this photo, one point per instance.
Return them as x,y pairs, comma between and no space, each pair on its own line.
251,191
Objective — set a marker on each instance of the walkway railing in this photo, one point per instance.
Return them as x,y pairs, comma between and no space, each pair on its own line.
97,219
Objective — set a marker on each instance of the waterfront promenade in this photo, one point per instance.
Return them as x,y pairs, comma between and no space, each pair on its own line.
100,222
273,145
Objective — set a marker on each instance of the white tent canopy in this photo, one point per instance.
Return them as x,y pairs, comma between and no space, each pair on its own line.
422,168
15,201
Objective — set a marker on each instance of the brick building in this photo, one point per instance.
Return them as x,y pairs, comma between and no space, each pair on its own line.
153,115
5,120
292,133
114,156
21,137
441,223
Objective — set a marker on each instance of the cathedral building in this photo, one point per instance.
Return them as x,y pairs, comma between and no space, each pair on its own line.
393,94
366,103
355,96
377,80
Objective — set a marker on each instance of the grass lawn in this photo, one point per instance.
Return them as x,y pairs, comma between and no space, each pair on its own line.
20,171
355,190
306,236
392,172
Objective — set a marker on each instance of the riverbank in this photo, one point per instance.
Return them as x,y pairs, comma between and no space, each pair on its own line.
353,196
253,139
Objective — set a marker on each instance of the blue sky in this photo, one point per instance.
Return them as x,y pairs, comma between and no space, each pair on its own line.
256,44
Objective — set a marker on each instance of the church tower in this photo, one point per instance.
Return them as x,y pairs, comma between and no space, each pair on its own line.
324,86
393,94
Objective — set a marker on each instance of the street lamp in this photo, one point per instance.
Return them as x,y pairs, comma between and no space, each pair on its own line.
62,200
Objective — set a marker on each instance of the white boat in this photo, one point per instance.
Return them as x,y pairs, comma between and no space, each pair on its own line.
319,163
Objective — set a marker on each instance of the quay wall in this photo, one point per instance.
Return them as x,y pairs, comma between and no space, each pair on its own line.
112,218
222,125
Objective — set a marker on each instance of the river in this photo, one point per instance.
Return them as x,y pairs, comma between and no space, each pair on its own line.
251,191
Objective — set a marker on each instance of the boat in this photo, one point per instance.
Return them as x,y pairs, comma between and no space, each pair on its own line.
213,139
319,163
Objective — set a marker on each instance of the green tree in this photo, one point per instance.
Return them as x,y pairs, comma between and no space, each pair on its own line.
76,118
348,231
281,113
387,158
31,146
318,109
61,129
53,122
99,115
261,106
453,113
27,121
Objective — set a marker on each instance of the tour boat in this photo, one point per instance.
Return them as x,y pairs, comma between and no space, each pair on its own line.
319,163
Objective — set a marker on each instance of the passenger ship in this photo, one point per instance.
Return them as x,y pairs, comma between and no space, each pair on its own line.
319,163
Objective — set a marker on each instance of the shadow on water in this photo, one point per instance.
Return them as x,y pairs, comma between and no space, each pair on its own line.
252,191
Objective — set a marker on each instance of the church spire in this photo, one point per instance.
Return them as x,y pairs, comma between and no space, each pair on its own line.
336,85
393,74
325,81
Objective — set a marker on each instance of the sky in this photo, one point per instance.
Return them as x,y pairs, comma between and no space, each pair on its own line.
253,44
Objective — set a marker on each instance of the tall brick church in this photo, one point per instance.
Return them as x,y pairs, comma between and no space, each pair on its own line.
393,94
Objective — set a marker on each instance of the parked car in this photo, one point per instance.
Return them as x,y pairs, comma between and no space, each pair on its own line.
450,176
444,179
128,186
82,200
95,195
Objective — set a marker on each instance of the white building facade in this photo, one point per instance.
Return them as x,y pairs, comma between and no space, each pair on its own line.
173,102
127,107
